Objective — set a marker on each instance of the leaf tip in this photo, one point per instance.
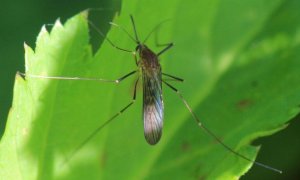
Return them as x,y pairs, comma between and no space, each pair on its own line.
28,54
44,30
42,35
58,23
25,45
85,13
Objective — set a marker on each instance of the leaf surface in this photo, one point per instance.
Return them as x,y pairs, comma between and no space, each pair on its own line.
240,65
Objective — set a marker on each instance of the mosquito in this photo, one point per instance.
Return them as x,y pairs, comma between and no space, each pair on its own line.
148,65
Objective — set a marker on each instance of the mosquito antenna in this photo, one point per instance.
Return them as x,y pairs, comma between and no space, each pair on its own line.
154,29
49,24
134,29
124,30
213,135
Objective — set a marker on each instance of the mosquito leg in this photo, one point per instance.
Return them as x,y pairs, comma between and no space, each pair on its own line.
155,30
169,45
102,34
97,9
213,135
134,30
104,124
125,76
124,30
78,78
132,38
107,39
173,77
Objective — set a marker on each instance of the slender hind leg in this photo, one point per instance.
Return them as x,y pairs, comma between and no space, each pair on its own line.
104,124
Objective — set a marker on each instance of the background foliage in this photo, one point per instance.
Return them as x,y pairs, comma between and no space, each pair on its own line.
277,29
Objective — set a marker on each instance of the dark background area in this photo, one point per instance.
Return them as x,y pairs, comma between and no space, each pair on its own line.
22,20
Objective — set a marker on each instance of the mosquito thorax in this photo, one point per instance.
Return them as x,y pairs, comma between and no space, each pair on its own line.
148,59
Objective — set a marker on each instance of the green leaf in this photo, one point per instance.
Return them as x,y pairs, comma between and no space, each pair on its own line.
240,65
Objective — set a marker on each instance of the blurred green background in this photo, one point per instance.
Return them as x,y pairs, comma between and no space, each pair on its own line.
21,21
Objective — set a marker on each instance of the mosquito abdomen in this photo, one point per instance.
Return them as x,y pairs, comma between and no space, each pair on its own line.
153,107
153,123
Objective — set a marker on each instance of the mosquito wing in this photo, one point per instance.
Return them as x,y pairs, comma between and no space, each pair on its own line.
153,107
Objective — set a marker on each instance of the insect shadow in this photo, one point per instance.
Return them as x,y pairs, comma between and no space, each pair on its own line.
148,65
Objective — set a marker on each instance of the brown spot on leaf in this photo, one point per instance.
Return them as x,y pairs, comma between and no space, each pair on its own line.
244,103
185,146
103,159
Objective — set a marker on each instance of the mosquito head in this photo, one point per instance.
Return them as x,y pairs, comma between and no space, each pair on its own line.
141,49
146,54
